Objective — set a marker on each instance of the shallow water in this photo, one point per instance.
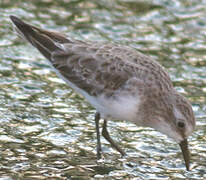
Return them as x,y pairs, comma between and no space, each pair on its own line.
47,130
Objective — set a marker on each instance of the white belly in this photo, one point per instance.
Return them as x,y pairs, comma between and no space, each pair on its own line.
121,108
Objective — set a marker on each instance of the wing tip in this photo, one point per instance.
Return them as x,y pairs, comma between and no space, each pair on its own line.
20,25
16,20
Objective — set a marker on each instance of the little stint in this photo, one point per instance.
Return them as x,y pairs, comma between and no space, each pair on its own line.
119,82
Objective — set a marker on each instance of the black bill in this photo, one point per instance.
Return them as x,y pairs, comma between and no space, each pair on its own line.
186,153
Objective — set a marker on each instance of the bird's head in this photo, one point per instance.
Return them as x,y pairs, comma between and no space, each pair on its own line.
173,116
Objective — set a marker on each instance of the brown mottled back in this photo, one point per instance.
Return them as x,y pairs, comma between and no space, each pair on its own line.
108,67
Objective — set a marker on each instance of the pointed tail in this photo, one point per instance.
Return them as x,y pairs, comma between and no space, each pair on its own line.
45,41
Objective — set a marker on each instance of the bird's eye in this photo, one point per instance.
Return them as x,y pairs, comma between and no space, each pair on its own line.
181,124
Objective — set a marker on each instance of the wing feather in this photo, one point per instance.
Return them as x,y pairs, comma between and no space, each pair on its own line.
96,67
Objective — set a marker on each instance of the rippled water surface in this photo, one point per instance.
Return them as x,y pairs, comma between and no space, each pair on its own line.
47,130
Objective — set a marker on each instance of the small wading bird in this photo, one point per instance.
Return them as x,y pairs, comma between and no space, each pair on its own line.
120,82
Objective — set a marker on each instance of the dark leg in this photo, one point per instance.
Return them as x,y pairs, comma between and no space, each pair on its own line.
99,149
110,140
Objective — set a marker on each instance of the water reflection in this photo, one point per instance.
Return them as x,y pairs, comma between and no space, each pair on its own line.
47,131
